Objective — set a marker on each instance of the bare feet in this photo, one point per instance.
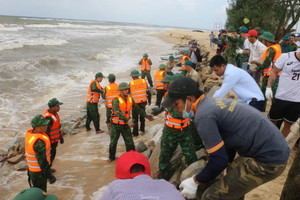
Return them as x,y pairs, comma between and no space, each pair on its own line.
109,160
100,131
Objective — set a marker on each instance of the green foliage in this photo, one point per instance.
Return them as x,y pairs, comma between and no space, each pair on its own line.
276,16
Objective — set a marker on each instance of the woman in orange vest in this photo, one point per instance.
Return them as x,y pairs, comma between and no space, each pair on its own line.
110,92
140,94
159,86
92,100
53,129
38,153
146,63
120,117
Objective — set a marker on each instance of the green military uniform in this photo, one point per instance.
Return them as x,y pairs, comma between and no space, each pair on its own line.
108,110
293,47
147,73
230,51
239,57
136,115
92,110
39,179
170,139
267,62
117,129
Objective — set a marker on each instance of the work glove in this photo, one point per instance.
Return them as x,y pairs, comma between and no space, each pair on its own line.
189,188
131,123
61,140
269,93
52,179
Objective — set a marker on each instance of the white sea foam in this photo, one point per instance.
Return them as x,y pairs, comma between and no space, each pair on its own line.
96,195
10,28
21,44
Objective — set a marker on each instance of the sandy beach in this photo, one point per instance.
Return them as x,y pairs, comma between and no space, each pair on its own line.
82,171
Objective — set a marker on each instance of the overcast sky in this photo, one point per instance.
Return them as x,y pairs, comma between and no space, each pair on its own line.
201,14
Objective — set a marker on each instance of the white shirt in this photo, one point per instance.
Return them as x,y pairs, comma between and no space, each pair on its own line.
246,44
243,85
256,51
289,80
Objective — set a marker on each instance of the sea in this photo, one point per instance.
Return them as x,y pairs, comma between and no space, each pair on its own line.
43,58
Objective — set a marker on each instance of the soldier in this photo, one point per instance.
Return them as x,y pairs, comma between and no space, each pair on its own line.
270,55
170,65
231,45
92,100
185,57
159,86
177,130
53,129
293,45
109,93
193,74
122,105
146,63
140,93
285,46
38,153
226,127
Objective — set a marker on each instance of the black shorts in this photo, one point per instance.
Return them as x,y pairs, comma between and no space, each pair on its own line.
286,110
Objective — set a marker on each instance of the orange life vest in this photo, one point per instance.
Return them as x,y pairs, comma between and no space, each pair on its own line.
184,58
125,108
30,139
111,91
277,49
138,90
158,77
93,97
145,65
173,122
55,129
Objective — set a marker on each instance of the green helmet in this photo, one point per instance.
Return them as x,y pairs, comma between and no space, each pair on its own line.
111,77
176,76
99,74
231,29
134,73
123,86
167,79
162,66
145,55
267,36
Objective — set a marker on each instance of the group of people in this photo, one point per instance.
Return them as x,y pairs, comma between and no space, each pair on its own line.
227,127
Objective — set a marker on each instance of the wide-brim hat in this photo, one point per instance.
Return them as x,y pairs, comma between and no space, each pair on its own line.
267,36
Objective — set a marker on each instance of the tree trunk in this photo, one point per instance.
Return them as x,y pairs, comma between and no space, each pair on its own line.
292,185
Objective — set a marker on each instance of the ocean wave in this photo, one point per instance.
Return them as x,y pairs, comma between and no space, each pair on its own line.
10,28
21,44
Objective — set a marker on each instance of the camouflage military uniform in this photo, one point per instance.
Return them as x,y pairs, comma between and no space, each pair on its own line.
92,111
39,179
243,175
230,51
108,110
117,129
293,47
239,57
269,59
170,139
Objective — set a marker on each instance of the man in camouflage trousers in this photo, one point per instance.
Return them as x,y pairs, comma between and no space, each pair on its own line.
175,134
120,120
